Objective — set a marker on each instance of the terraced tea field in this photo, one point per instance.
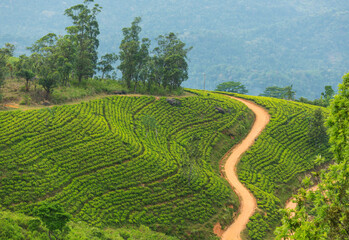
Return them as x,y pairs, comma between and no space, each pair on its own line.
124,161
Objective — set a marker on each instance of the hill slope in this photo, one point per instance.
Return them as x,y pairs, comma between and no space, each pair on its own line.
125,161
280,154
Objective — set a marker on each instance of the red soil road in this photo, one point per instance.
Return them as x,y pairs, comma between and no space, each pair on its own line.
11,105
248,203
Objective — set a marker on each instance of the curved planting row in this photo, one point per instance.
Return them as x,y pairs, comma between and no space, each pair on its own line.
122,160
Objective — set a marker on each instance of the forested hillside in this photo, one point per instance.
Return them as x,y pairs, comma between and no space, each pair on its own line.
259,43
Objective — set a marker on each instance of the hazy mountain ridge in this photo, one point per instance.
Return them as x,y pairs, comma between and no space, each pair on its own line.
258,43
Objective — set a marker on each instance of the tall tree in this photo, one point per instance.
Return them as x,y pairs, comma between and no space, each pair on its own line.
5,53
84,32
105,64
133,54
171,55
65,54
47,66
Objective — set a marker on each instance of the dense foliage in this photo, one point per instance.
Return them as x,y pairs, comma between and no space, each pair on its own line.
279,92
5,65
279,155
324,213
16,226
167,67
58,60
235,87
123,161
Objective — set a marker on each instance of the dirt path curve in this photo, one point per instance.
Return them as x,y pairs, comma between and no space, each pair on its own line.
248,203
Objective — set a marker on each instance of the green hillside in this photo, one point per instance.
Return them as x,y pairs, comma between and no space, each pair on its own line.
122,161
128,161
281,153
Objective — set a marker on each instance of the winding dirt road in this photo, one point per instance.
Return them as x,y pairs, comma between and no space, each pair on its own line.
248,203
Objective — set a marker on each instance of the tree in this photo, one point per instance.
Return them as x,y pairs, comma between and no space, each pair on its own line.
274,91
48,80
53,216
171,59
5,53
84,33
327,95
235,87
24,70
288,93
279,92
28,75
324,213
317,130
2,68
133,54
105,64
47,66
65,52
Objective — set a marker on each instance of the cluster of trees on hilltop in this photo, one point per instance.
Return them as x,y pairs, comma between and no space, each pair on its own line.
166,67
279,92
58,60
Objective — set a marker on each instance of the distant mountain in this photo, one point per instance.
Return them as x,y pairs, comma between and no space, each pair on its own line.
260,43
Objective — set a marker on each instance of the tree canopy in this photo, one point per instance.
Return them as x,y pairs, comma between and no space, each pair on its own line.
53,216
166,67
235,87
279,92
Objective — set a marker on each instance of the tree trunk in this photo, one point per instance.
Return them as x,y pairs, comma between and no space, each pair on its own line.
135,87
27,85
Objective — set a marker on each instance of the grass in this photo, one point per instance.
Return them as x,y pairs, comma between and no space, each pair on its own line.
13,94
13,91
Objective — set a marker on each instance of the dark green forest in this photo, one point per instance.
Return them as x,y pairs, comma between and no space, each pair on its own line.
260,44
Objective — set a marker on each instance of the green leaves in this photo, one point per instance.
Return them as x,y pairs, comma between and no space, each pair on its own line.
234,87
324,213
53,216
167,67
84,33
